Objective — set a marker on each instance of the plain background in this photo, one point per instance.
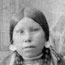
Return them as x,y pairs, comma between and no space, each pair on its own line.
54,11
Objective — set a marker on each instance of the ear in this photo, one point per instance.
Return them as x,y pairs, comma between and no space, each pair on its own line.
12,47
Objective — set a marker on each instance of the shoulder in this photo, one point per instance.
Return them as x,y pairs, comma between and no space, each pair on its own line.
57,58
7,59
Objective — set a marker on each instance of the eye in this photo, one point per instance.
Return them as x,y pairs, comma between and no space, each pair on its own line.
21,31
35,29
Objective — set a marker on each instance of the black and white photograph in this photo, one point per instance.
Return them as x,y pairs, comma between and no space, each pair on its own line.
32,32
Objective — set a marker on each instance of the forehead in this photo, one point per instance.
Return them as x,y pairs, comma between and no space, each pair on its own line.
27,22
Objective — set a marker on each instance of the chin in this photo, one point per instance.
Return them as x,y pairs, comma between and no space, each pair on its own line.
29,55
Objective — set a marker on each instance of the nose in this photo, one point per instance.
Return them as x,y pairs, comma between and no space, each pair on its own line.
28,37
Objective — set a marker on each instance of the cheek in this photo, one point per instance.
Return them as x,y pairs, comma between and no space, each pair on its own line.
40,38
17,38
40,41
17,41
18,46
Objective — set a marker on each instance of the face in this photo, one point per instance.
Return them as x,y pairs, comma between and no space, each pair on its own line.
28,37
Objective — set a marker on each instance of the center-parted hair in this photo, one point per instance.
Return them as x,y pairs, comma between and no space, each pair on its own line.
35,15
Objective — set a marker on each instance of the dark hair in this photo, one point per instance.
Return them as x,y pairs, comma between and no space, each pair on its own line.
32,13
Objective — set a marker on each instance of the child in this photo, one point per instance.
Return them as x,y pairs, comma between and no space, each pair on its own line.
29,34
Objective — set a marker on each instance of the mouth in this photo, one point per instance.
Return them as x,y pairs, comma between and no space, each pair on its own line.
29,47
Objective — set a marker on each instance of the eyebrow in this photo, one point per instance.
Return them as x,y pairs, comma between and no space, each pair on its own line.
31,27
19,29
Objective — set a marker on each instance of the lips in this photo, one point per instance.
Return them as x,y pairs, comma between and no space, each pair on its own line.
29,47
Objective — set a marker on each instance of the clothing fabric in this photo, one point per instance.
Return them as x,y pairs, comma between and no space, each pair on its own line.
16,59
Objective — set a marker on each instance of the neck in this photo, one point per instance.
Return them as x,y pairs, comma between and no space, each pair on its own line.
32,58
